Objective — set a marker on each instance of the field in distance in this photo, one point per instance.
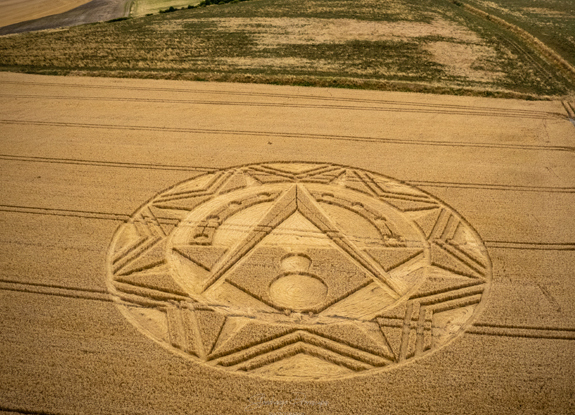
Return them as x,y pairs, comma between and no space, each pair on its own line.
427,46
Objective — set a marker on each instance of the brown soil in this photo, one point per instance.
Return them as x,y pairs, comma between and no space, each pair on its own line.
180,247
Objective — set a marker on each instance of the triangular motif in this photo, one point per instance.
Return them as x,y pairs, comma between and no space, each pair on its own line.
359,336
298,366
210,324
231,295
393,336
154,281
237,181
390,258
399,189
326,177
293,168
266,178
153,257
468,244
195,185
128,237
443,259
373,330
231,326
438,285
202,255
296,230
249,335
181,328
184,203
406,205
168,227
426,219
353,181
164,214
372,297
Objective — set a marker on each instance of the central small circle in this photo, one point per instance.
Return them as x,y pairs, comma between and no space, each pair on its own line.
298,292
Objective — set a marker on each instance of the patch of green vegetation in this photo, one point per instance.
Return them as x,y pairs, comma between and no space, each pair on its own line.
148,7
369,10
118,19
393,60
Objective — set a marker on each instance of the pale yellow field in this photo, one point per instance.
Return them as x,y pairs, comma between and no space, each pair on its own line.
178,247
14,11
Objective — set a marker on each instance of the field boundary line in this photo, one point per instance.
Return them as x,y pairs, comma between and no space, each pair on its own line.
99,163
534,246
528,332
502,187
55,290
64,212
542,246
268,134
465,110
168,167
498,330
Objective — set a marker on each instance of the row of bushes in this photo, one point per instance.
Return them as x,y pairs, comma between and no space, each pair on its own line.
173,9
208,2
203,3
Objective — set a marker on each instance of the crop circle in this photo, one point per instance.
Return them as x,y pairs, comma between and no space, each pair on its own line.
298,271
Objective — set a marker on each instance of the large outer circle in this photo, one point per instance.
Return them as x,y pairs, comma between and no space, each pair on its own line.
210,269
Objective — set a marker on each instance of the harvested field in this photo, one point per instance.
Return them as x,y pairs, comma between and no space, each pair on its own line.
399,45
85,12
15,11
181,247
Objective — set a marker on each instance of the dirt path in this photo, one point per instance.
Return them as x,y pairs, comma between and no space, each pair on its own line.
89,12
460,212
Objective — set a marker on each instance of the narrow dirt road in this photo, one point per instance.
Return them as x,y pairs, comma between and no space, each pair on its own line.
101,310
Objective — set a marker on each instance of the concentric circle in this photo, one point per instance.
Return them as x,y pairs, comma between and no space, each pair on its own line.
298,271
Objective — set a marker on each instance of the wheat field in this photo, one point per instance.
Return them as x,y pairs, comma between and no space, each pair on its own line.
175,247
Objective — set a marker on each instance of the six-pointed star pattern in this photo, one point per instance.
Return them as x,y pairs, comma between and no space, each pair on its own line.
298,270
